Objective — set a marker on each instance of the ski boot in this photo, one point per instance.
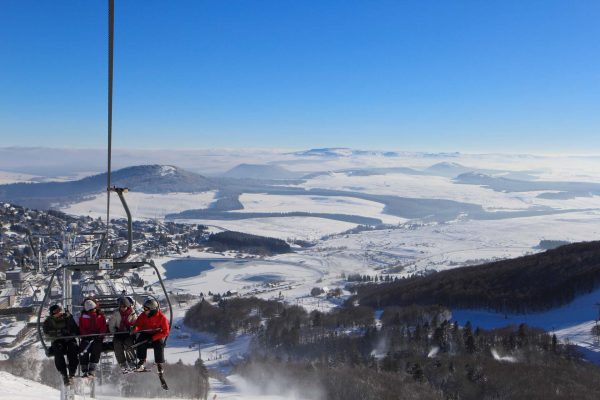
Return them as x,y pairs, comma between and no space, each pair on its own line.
125,368
92,370
140,367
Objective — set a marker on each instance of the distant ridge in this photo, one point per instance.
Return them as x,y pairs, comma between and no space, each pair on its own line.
326,152
343,152
141,178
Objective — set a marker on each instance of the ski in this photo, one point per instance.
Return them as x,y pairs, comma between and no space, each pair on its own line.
161,377
163,382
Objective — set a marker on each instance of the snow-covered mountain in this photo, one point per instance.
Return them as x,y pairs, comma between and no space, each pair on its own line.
141,178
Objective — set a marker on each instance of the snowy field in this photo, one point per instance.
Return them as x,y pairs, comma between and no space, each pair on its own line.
293,228
442,246
14,177
316,204
17,388
142,205
437,187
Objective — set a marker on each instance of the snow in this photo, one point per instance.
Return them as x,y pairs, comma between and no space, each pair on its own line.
232,274
10,328
142,205
572,322
14,177
166,170
316,204
16,388
498,357
433,352
294,228
437,187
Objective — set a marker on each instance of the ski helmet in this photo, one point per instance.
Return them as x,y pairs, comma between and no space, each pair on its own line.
124,301
151,304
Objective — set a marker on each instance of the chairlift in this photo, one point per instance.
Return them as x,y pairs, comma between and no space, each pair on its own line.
100,269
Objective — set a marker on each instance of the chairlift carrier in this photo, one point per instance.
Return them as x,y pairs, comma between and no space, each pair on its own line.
102,260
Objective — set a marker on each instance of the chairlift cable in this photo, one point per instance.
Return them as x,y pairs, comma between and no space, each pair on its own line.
111,28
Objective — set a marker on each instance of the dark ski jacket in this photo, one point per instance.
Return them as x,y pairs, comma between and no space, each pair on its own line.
62,325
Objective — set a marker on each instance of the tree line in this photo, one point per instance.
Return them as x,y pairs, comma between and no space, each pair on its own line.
525,284
231,240
416,353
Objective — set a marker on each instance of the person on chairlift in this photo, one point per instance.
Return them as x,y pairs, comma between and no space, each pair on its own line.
57,325
121,322
91,322
151,330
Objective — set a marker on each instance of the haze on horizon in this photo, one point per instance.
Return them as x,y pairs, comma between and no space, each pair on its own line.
509,76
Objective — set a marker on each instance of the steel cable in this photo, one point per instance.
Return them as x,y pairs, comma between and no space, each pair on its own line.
111,28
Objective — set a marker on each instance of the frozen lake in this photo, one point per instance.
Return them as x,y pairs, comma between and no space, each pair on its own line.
188,268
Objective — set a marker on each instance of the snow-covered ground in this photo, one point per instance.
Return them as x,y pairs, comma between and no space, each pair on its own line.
322,204
572,322
17,388
14,177
437,187
142,205
10,327
293,228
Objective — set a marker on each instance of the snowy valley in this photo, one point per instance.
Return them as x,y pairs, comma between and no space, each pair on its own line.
381,216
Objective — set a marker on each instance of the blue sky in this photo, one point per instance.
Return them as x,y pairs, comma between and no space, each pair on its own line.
471,76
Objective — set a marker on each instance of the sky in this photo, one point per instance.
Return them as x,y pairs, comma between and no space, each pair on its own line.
471,76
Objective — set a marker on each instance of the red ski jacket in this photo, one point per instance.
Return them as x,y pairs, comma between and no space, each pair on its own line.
157,321
92,322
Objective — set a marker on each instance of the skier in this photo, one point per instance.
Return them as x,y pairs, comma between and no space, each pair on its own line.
156,324
56,325
91,321
120,323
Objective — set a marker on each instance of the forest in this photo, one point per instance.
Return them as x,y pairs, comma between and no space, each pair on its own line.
412,352
525,284
415,353
254,244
